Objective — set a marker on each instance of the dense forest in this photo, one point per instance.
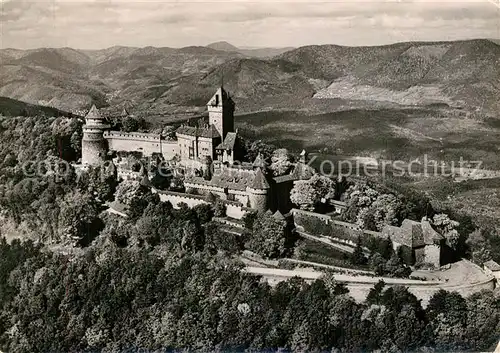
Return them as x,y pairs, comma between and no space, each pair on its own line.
123,293
168,279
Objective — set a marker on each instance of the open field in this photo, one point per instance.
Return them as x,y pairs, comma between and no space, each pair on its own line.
479,199
443,134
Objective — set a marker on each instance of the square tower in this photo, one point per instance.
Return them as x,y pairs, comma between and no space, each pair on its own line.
221,112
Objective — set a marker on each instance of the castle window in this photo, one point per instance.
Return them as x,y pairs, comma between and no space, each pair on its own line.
216,99
230,197
191,152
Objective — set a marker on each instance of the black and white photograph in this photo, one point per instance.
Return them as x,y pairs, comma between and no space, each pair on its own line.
249,176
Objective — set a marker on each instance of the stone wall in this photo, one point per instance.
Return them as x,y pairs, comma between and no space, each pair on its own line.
432,255
234,209
93,152
176,198
202,146
206,189
145,143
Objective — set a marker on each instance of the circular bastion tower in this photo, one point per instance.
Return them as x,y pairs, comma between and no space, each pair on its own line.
258,191
94,145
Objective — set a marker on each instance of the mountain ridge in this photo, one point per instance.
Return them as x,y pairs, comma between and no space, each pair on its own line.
463,73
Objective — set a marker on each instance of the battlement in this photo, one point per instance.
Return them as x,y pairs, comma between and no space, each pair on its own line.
137,136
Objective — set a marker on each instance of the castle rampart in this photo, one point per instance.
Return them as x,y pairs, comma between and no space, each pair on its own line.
146,143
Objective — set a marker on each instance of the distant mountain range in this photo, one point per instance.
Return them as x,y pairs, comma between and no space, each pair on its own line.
254,52
166,80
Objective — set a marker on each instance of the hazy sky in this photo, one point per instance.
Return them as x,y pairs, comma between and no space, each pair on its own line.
97,24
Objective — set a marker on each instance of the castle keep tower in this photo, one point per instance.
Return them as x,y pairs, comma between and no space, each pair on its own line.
221,112
94,146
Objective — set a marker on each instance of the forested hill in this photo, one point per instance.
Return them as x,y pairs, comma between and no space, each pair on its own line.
12,107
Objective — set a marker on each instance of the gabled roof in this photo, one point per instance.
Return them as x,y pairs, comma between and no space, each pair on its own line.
145,181
224,97
302,171
413,234
232,178
430,235
279,216
229,142
94,113
259,161
209,131
259,182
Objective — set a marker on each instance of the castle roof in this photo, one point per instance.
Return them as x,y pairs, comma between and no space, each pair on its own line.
124,113
259,161
279,216
259,182
207,131
94,113
302,171
221,96
413,234
227,177
145,181
229,142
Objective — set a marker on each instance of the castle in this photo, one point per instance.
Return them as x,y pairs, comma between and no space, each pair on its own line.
193,144
211,148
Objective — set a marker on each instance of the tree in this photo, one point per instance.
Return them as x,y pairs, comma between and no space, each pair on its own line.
127,191
334,287
387,208
308,194
384,210
219,208
268,236
249,219
280,162
359,197
253,148
479,247
304,195
447,228
218,240
483,319
377,263
100,181
358,257
132,124
375,294
447,315
135,196
396,268
204,212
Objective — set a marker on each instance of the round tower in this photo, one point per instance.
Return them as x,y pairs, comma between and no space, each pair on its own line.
94,146
206,167
258,192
